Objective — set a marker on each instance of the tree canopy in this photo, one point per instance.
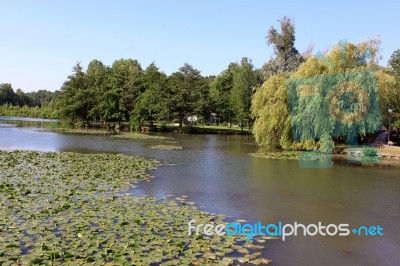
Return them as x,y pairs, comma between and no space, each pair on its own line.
286,57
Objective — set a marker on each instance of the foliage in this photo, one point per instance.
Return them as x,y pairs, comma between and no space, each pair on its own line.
187,94
270,103
394,63
326,144
370,152
126,83
282,155
47,111
40,97
19,98
391,91
271,114
245,80
150,105
220,94
75,99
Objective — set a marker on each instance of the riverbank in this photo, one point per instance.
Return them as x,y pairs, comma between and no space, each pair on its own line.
70,207
385,156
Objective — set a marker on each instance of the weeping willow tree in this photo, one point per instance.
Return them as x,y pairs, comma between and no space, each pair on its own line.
330,95
269,108
272,118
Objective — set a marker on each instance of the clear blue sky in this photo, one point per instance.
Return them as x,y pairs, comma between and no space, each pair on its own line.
42,40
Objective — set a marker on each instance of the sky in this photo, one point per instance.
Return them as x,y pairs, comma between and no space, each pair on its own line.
42,40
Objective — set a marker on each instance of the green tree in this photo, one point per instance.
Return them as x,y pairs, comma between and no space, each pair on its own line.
74,100
394,63
270,111
391,93
126,84
21,98
286,57
150,105
187,90
40,97
245,81
220,93
98,76
7,94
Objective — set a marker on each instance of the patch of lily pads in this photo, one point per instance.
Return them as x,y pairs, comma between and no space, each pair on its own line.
75,209
137,135
166,147
84,131
283,155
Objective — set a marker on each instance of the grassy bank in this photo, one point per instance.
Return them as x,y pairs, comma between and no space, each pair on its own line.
204,129
74,208
26,111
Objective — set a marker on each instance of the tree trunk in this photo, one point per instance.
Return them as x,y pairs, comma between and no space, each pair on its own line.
180,124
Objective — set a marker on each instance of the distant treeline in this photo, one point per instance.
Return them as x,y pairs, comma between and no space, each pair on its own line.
20,98
32,104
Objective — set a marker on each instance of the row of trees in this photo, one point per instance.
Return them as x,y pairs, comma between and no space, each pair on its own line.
20,98
126,92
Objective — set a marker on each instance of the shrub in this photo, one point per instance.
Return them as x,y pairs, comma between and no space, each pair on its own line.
370,152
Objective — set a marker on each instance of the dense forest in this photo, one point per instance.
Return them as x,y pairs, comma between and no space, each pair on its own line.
241,95
124,92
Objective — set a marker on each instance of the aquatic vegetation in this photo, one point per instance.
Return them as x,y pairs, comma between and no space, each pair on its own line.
166,147
74,208
285,155
84,131
137,135
370,152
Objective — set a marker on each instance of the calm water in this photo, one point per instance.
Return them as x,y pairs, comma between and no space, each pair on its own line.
216,172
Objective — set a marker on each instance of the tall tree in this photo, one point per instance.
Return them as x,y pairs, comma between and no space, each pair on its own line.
286,57
245,81
21,98
7,94
150,105
41,97
270,111
394,63
186,89
98,76
126,82
392,92
74,99
220,93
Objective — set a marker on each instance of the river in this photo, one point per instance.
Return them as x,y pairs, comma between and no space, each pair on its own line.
215,171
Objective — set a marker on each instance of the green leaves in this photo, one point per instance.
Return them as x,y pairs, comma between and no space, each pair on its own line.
187,94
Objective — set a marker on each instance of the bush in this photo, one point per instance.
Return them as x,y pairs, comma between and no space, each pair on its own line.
326,144
370,152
